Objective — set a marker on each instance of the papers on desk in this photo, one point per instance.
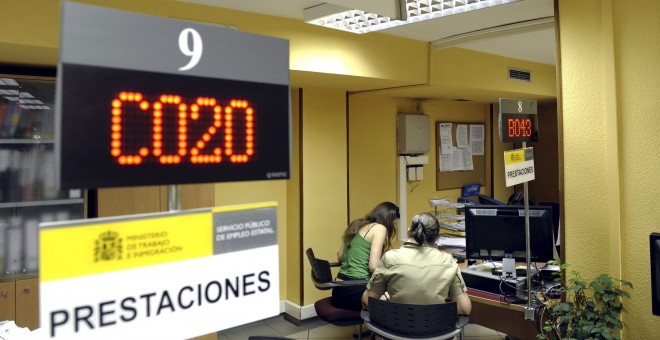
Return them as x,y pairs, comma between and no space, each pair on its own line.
459,226
452,234
443,202
451,244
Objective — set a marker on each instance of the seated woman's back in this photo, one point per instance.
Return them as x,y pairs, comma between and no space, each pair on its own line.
419,274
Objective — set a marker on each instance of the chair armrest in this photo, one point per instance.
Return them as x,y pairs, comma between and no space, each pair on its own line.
462,321
335,264
365,315
353,283
348,283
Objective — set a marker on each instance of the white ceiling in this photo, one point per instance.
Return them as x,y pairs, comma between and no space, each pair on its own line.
537,46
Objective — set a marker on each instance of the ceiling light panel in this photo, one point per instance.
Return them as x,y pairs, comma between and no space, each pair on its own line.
346,19
419,10
359,21
8,82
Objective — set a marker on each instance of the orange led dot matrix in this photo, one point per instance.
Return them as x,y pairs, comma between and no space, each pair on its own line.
169,145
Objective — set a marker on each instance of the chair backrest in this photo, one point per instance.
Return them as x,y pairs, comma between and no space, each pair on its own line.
555,214
413,320
321,272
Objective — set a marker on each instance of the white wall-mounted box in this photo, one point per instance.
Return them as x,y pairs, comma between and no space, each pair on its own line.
412,132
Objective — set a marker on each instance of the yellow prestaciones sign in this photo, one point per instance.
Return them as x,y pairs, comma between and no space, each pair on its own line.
519,166
144,276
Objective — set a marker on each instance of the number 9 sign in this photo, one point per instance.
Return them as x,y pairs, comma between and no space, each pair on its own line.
186,37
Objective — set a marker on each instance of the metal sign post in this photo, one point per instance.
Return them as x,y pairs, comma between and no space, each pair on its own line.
173,197
529,310
518,123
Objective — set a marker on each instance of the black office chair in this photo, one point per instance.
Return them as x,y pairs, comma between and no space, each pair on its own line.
555,219
401,321
322,278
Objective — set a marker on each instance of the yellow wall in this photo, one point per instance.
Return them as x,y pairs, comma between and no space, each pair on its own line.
324,163
461,69
636,51
372,153
610,98
585,138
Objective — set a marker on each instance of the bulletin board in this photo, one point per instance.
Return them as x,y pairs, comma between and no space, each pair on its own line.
457,179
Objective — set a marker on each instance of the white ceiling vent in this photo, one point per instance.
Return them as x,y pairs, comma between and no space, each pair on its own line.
520,75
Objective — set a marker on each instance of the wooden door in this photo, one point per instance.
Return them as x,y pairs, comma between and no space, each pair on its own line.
27,303
7,301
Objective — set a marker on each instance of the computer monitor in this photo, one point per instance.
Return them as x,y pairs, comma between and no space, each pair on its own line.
494,232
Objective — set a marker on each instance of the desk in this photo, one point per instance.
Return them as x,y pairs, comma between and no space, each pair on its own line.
488,311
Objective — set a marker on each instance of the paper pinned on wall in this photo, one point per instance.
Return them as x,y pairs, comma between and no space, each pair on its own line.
446,143
456,159
467,159
445,163
477,139
462,136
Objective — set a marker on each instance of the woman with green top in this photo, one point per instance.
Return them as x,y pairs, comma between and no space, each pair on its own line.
363,243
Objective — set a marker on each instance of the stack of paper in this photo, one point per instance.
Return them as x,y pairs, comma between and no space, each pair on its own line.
452,234
453,245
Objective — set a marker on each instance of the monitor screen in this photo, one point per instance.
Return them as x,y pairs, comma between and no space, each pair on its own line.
495,232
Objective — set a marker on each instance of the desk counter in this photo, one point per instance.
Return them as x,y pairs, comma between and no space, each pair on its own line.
488,311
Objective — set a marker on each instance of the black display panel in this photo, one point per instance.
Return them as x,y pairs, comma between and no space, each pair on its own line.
655,272
128,128
493,232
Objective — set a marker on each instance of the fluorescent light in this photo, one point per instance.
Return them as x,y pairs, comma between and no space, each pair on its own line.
35,107
8,81
358,21
25,95
349,20
13,99
420,10
30,101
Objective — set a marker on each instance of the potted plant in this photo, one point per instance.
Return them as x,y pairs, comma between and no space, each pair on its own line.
586,310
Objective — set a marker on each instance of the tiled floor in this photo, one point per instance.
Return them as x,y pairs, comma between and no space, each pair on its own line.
317,329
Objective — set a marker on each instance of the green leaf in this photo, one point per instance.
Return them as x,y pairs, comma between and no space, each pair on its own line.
597,288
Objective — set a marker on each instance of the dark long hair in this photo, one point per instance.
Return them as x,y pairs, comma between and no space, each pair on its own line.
424,228
384,213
